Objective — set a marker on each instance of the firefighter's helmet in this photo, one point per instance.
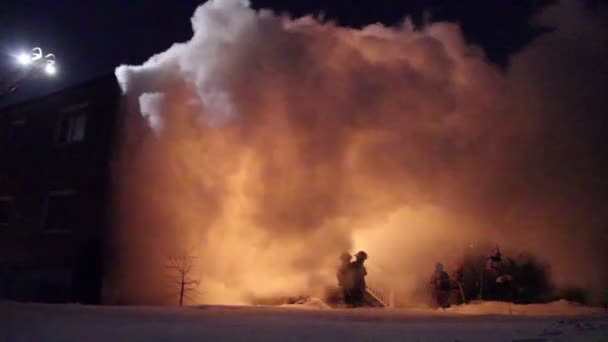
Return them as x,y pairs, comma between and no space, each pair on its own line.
361,255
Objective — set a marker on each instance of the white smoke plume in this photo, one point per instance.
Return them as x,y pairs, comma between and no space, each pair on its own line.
266,145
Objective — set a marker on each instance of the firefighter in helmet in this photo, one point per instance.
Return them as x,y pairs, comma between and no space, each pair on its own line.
441,286
357,273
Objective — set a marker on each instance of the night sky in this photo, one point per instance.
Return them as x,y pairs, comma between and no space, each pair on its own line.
91,38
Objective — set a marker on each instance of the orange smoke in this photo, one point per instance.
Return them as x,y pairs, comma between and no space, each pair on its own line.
265,146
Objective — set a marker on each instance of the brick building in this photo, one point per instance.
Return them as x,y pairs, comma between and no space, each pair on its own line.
55,154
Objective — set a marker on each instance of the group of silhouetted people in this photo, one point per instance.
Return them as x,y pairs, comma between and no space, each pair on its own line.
491,285
351,278
351,281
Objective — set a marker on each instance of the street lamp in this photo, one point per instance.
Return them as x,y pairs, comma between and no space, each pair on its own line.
38,62
24,59
31,65
50,69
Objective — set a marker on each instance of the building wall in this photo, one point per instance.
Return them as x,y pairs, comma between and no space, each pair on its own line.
54,189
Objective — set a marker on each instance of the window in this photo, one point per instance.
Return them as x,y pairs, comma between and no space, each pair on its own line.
73,124
60,212
6,209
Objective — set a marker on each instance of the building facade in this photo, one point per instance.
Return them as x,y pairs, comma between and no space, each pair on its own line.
55,155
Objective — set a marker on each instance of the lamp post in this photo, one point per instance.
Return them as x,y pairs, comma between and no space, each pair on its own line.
31,65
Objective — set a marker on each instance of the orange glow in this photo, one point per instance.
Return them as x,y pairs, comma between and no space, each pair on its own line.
268,146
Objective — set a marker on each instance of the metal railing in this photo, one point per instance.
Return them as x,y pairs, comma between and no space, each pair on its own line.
377,286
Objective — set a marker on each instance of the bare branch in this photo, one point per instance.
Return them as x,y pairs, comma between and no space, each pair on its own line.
180,268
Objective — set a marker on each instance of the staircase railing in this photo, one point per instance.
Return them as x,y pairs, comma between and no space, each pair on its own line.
378,287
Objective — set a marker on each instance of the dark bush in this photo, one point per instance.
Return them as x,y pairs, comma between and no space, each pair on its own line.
574,294
531,279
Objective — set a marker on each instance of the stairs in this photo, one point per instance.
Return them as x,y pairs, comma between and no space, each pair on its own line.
379,292
374,299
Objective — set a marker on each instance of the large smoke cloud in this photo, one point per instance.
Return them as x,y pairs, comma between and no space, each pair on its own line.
265,146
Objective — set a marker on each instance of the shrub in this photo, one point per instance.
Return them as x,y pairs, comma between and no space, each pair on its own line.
574,294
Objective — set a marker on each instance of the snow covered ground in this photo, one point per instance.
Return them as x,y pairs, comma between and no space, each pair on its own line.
559,321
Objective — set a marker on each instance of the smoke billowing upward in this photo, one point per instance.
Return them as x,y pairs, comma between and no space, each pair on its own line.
265,146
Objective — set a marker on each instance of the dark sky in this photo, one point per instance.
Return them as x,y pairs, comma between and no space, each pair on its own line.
91,38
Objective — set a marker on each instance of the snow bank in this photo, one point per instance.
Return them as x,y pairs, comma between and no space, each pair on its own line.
311,304
36,322
561,308
558,308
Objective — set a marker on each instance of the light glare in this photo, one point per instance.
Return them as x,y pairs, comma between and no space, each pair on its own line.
24,59
50,69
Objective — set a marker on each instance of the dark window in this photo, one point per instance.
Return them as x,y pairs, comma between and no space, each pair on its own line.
6,208
61,210
72,127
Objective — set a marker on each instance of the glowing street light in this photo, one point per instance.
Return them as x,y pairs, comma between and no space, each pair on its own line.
24,59
31,65
37,61
50,69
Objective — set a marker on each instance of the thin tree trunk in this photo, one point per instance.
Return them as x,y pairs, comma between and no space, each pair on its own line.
181,292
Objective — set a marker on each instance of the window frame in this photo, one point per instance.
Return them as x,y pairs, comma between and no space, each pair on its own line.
71,113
